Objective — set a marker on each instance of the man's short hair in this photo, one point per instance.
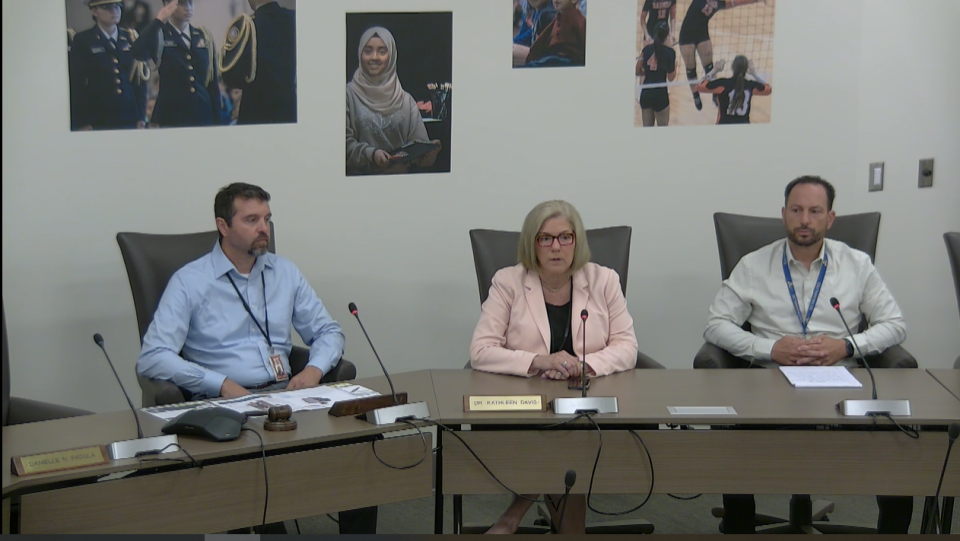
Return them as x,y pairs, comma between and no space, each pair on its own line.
223,204
815,180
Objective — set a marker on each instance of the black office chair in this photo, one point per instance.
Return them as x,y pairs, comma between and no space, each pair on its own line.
739,235
494,250
952,240
18,411
151,261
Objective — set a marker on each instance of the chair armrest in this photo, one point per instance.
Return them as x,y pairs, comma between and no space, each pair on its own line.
711,356
160,392
24,410
342,371
643,361
893,357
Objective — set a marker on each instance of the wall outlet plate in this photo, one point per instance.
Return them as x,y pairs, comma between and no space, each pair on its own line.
876,177
925,174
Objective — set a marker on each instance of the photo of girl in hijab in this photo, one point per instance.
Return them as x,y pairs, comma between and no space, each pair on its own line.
386,132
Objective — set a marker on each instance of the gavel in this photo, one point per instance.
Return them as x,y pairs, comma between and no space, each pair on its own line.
280,419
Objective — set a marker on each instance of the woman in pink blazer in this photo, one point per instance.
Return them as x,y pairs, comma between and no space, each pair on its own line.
530,324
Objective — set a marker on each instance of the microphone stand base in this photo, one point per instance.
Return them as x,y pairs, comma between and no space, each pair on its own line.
860,408
598,404
128,449
386,416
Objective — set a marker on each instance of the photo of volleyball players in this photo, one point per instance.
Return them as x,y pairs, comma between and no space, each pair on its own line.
549,33
149,64
725,49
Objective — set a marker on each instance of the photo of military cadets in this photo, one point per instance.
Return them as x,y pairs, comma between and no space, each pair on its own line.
260,57
107,84
186,61
181,63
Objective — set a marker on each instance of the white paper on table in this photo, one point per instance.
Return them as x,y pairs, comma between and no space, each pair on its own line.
175,410
820,376
316,398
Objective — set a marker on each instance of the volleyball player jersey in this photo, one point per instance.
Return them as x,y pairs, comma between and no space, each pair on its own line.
694,27
724,88
659,11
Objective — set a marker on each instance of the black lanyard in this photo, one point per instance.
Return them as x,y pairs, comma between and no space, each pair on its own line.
266,317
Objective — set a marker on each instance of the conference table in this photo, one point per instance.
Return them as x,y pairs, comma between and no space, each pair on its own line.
773,439
812,450
326,465
949,378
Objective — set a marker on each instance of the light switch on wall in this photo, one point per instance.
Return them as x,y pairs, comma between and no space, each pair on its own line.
876,177
925,175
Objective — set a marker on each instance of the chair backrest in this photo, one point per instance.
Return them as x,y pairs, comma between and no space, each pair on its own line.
6,366
953,251
738,235
494,250
151,261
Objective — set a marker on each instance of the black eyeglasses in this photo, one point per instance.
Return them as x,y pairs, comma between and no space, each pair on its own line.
545,240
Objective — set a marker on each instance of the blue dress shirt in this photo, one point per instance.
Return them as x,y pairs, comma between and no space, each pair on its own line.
201,334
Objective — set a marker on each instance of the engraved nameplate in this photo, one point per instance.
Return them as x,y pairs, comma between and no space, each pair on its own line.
59,460
532,402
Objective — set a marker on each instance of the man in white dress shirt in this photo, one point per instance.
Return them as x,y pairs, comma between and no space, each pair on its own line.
782,290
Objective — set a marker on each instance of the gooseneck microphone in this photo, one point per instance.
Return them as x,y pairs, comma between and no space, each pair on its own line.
353,310
99,341
868,407
132,448
836,306
953,432
375,411
583,367
568,480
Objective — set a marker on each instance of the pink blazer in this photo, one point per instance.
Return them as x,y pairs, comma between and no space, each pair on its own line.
514,328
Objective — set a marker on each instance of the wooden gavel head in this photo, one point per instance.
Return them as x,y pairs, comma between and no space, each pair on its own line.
279,413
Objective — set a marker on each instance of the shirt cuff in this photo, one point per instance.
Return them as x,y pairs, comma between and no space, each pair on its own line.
212,382
762,348
324,366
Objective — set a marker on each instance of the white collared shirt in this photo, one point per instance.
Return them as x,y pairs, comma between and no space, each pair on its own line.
756,292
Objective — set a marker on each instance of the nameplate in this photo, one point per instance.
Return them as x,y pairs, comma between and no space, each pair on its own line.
59,460
359,406
531,402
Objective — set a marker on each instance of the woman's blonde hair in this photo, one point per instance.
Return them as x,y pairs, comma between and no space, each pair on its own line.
527,247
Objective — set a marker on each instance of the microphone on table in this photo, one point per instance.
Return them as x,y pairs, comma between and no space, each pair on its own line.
874,406
933,517
130,448
376,410
583,366
353,310
568,480
583,404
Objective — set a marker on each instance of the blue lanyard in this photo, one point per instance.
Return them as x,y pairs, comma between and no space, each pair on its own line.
793,292
266,316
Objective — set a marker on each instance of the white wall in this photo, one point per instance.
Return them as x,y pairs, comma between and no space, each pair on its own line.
855,82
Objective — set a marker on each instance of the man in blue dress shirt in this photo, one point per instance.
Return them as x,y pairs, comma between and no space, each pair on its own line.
222,328
223,324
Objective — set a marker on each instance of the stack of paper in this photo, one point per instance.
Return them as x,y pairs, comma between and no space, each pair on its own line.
820,376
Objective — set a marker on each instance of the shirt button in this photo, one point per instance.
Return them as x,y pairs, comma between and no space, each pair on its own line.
193,90
116,72
119,91
118,81
189,57
191,68
115,61
192,79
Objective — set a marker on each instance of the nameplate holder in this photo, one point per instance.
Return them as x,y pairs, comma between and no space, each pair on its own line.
360,406
59,460
526,402
701,410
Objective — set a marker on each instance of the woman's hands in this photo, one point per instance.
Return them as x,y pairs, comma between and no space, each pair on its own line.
559,365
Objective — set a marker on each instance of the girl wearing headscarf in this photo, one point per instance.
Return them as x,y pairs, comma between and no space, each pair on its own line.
381,116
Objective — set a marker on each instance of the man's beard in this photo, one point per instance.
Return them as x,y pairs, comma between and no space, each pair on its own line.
814,238
257,251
